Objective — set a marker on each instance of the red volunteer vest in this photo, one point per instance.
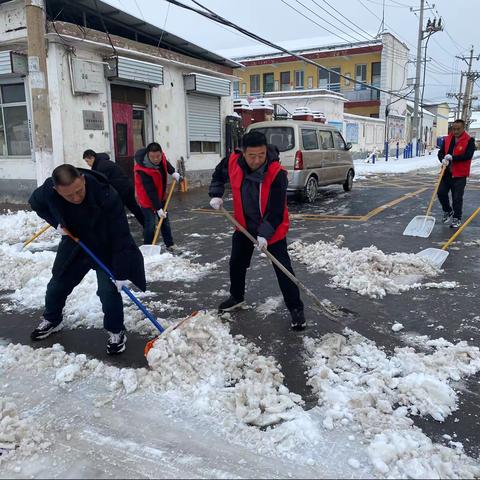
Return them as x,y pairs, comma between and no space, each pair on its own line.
236,175
156,175
459,169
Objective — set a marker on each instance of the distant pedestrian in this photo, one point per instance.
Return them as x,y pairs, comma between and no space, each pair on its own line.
100,162
83,202
150,172
259,188
456,154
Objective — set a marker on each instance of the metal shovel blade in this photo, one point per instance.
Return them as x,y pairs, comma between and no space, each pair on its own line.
150,250
420,226
434,256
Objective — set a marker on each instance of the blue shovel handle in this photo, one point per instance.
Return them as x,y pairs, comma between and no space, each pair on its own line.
132,297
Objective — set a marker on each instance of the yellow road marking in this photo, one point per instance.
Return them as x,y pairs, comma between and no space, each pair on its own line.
353,218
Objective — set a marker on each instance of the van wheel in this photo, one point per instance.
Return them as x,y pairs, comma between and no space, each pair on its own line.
310,191
348,185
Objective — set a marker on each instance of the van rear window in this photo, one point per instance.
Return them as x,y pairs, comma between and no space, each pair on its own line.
282,137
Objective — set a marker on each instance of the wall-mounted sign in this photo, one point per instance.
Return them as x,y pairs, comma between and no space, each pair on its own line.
93,120
87,76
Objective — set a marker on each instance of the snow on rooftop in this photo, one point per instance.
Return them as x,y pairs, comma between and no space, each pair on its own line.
295,45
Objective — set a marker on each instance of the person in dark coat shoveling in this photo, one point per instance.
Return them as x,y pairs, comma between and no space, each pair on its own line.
259,188
100,162
83,202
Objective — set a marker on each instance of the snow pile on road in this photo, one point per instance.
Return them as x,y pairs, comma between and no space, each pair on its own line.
28,273
360,387
227,372
368,271
172,268
270,305
20,226
17,436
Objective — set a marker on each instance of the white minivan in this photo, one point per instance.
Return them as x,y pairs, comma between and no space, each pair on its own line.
313,154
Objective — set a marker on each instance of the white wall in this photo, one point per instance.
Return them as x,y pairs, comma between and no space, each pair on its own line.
371,133
68,135
13,21
394,72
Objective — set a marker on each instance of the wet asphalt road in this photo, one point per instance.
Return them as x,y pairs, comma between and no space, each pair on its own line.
451,314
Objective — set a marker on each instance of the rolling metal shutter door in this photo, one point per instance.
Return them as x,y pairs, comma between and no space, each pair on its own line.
204,122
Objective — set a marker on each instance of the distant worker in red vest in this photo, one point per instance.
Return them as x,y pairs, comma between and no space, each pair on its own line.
456,154
150,173
259,188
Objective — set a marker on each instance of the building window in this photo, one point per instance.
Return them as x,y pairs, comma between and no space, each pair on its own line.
244,88
204,123
204,147
14,130
329,80
254,83
376,77
284,80
310,82
299,79
268,82
236,88
360,76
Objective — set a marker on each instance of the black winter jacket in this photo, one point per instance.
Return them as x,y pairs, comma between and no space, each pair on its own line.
256,225
115,175
100,222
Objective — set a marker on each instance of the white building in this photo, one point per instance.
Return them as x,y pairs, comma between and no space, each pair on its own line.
112,92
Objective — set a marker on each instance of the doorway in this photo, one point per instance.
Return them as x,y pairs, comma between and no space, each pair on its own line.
129,115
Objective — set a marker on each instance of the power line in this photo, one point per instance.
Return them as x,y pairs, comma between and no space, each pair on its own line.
313,21
214,16
367,35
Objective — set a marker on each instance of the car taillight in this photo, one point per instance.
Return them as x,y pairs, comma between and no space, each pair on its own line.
298,160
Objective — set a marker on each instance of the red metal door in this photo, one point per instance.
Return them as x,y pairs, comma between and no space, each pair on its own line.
122,116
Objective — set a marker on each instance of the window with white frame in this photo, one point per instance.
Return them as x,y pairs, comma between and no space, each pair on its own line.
14,129
299,79
360,76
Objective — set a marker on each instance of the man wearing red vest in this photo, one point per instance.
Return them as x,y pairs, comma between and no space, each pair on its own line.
259,188
456,154
150,173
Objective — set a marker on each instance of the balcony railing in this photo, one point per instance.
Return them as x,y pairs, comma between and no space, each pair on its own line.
361,95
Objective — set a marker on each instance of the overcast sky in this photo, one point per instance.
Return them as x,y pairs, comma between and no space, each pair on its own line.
276,21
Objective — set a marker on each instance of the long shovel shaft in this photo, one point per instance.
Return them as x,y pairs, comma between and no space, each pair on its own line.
160,222
437,186
112,278
292,277
461,229
44,229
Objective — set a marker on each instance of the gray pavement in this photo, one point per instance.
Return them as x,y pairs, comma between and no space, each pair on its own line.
357,216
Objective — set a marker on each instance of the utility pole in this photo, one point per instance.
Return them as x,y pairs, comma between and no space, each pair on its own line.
37,75
414,129
471,77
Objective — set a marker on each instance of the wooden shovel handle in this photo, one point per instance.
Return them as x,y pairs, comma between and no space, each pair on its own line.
461,229
157,230
44,229
437,186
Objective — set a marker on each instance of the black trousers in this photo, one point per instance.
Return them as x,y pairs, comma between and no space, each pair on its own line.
457,186
242,250
61,285
151,219
130,202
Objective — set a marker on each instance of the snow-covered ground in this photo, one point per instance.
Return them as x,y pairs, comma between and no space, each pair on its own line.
405,165
210,404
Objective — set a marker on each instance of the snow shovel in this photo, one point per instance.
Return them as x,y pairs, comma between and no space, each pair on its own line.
171,328
44,229
422,225
132,297
437,256
154,249
331,311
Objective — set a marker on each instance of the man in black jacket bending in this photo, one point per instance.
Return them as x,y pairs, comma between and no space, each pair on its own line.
100,162
259,188
83,202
